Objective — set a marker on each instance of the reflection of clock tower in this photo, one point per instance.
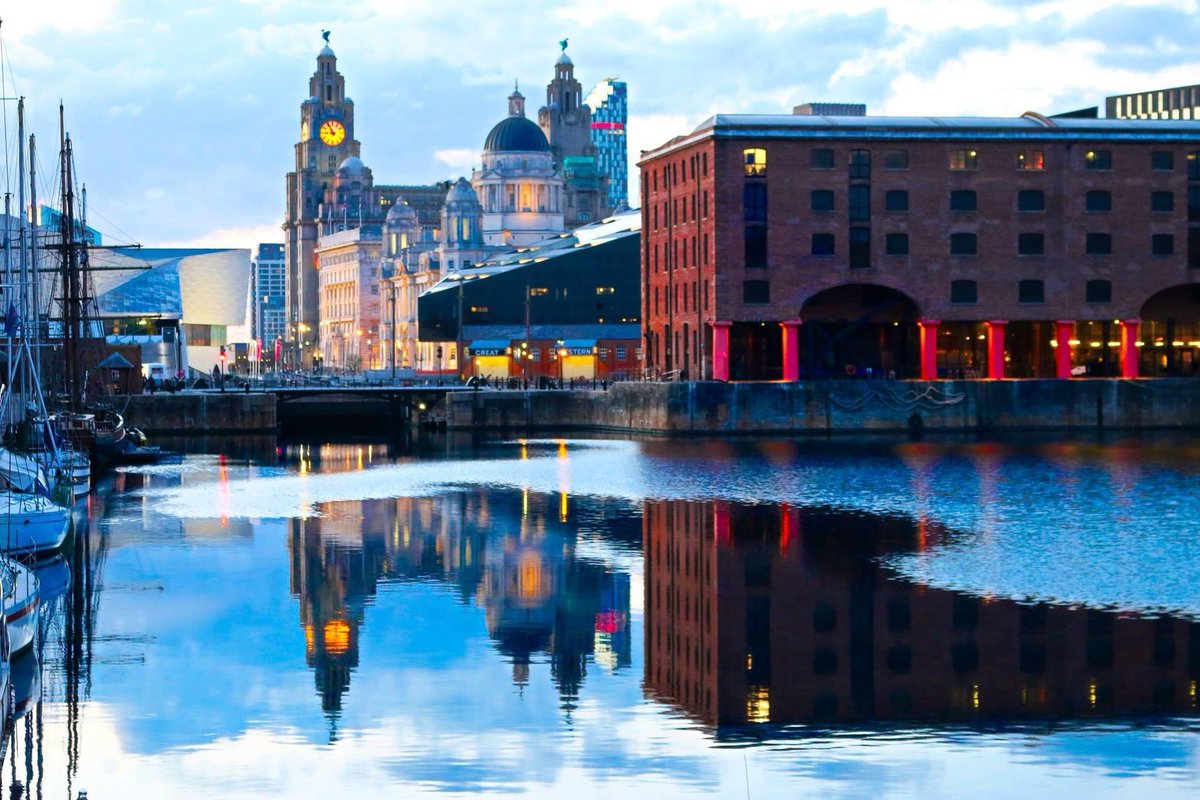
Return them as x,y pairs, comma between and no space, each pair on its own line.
326,138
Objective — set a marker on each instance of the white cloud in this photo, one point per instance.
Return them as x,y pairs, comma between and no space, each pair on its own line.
246,237
460,159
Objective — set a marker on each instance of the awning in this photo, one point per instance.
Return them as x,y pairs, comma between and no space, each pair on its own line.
489,347
578,347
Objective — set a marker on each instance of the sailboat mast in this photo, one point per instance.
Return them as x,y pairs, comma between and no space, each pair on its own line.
70,273
33,316
16,288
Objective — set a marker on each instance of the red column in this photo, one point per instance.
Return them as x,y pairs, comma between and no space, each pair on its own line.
721,522
1129,351
791,349
995,340
1064,332
929,332
720,351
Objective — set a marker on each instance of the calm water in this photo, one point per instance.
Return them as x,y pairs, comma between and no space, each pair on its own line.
591,618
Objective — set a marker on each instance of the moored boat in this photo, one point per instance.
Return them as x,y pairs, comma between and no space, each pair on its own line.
19,586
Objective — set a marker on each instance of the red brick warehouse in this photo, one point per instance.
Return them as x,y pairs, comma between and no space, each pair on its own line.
795,246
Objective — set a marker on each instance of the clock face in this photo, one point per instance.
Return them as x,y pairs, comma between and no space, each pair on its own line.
333,132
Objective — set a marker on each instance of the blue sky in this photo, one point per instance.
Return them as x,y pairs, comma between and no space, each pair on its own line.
184,115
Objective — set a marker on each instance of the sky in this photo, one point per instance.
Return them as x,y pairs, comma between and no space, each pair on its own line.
184,116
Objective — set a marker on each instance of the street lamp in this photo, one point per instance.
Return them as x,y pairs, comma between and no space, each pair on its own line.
562,355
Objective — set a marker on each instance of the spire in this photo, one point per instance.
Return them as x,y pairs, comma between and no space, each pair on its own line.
516,103
326,50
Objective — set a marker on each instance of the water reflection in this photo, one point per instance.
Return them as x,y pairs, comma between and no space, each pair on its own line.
761,613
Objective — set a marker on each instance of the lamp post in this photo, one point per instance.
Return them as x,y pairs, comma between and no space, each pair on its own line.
394,340
562,355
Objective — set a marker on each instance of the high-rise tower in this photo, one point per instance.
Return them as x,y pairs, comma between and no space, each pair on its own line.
609,105
326,139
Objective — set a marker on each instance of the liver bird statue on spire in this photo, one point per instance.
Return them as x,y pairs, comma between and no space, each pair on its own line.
325,36
563,45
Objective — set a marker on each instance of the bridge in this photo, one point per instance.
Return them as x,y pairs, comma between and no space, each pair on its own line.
358,404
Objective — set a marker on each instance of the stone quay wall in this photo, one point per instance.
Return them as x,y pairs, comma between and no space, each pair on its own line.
200,413
821,407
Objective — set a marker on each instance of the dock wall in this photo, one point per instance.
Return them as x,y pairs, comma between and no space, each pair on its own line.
200,413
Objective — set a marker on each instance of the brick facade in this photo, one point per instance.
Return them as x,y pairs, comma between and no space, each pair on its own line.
1073,221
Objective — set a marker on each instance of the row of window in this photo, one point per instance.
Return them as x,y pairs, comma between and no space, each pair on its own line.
897,201
961,244
960,159
962,292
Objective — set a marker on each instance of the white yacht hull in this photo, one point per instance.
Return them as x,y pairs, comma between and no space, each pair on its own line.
31,523
21,602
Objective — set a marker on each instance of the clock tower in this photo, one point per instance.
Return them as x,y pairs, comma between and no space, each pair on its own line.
326,139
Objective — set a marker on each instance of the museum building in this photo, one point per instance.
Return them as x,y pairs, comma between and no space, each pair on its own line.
800,246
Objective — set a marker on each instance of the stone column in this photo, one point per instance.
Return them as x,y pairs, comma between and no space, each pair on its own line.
929,333
791,349
1129,351
995,347
720,351
1064,332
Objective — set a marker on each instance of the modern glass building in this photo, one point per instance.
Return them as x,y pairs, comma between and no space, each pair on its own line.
610,109
270,321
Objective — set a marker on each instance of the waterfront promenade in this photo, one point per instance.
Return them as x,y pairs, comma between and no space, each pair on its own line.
699,408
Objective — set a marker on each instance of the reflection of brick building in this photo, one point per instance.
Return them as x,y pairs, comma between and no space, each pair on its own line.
789,246
782,615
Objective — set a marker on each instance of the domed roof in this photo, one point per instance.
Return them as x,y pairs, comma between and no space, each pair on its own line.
564,60
352,164
326,51
516,134
400,213
461,192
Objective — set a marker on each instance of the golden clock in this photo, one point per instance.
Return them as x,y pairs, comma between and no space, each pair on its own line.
333,132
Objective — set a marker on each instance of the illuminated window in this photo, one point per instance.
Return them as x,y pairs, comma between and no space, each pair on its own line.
606,290
538,291
1031,160
755,160
964,159
1098,159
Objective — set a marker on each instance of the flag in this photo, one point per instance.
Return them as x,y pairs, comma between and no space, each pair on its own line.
12,321
278,350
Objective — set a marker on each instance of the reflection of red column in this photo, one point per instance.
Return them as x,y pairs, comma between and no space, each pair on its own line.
1129,351
929,332
789,527
721,529
791,349
1064,332
720,367
995,340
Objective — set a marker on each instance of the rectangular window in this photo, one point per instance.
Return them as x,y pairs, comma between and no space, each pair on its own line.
860,202
1031,244
1031,292
622,353
755,197
1162,160
963,200
1098,201
1193,242
895,159
822,244
1193,166
1099,292
1031,160
821,158
897,244
860,247
822,200
538,291
964,159
606,290
1193,203
860,164
1162,201
963,244
1162,244
1098,159
755,159
756,291
896,200
1099,244
1031,200
756,246
963,292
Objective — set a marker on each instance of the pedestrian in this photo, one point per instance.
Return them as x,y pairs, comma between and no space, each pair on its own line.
151,384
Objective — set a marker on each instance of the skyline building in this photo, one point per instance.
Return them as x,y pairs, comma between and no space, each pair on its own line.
609,103
1181,102
268,273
